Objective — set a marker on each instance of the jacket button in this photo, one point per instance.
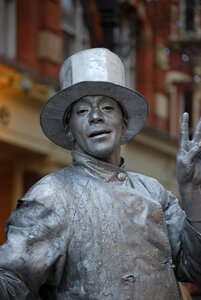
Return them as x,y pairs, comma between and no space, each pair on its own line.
121,176
129,278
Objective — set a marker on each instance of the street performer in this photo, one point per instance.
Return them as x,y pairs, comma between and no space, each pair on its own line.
93,230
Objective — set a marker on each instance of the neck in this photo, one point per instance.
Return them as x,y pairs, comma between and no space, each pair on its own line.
113,159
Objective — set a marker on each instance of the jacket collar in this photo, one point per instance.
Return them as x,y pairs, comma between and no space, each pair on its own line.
99,168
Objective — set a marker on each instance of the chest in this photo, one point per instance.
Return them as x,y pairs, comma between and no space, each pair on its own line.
117,221
118,243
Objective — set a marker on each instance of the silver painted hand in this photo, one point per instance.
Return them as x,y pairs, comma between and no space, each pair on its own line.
189,154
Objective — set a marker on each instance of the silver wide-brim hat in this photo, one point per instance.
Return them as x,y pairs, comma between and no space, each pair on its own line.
96,71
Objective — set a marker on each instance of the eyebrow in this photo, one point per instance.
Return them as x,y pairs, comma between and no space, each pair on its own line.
68,112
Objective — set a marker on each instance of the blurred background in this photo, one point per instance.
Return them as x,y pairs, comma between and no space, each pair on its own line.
159,42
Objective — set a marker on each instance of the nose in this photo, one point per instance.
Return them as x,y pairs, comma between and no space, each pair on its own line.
95,116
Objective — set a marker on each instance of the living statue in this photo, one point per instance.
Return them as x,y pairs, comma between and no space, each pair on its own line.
93,230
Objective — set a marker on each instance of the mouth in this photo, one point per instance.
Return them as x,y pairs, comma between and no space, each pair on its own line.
99,133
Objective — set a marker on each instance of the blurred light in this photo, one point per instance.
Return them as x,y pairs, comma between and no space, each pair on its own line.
196,78
180,23
166,51
185,57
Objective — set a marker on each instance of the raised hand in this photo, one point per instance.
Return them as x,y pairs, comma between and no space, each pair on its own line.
189,154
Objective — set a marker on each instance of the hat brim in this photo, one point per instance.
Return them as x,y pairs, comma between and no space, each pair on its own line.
52,115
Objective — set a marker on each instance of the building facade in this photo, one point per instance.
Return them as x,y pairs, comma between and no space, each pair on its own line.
159,43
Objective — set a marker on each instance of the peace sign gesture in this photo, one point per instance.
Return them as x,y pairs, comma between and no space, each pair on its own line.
189,154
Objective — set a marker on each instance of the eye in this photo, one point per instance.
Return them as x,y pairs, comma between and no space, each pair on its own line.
107,108
82,111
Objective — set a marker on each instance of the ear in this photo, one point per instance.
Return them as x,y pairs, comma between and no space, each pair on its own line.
69,134
124,127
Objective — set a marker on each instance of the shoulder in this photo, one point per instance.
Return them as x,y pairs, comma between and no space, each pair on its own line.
45,199
48,191
145,181
46,185
60,186
149,186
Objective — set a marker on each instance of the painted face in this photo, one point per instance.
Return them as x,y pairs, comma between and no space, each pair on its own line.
97,125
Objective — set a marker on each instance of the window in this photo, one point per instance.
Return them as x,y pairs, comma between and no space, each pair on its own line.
8,28
119,26
125,48
182,99
185,19
76,36
190,16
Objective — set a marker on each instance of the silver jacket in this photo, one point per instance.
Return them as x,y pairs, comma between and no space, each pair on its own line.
95,231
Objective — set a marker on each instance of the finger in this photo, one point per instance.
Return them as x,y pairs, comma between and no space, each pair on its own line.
197,132
193,152
184,132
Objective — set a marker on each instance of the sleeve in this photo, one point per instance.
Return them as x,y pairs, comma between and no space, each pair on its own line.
35,250
185,242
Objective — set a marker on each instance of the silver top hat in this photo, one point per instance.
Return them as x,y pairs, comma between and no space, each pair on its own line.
97,64
90,72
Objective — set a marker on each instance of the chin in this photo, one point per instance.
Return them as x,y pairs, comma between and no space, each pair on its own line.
102,153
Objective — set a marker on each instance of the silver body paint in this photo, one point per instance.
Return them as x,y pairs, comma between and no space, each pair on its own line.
95,231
